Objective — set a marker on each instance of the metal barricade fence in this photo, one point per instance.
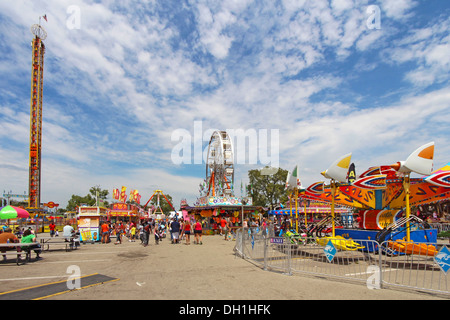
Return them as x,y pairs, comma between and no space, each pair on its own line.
370,263
441,227
309,257
238,247
252,242
418,269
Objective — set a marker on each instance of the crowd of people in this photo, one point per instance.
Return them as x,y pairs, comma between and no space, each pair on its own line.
178,230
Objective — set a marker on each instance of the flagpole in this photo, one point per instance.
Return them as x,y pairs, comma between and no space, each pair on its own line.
406,185
306,218
333,193
296,209
290,205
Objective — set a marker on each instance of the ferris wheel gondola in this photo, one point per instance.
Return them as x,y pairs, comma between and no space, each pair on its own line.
220,165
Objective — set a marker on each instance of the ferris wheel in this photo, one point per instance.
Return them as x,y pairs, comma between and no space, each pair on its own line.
219,165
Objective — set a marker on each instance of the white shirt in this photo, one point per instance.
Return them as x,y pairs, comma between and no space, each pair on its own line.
67,231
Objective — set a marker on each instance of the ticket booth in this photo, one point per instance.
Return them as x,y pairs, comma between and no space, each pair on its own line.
89,222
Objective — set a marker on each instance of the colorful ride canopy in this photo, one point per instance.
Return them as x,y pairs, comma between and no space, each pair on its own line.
338,171
440,177
382,187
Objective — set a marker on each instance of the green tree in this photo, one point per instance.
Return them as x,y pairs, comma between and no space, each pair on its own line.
89,199
99,194
268,190
76,200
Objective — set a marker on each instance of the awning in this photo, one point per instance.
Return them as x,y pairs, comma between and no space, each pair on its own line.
309,210
117,213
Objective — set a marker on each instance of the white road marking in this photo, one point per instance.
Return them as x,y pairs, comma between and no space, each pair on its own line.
35,278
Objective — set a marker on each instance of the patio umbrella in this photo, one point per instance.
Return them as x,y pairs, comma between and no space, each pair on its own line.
10,212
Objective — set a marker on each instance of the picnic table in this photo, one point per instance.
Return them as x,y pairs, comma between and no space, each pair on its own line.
16,249
68,242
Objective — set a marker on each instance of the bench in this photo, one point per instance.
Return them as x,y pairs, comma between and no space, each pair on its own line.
16,249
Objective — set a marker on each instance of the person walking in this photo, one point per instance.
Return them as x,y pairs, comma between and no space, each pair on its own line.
140,231
119,231
157,233
52,227
225,223
187,231
228,229
132,233
127,230
105,233
223,227
147,229
175,231
170,230
198,232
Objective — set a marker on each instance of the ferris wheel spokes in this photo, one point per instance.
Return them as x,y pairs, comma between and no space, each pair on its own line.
220,164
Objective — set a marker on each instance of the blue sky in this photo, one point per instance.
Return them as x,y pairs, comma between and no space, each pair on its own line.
122,81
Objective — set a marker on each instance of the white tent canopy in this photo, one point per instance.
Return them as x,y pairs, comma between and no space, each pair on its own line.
173,214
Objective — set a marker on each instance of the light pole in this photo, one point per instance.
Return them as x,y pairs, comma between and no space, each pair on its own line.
243,203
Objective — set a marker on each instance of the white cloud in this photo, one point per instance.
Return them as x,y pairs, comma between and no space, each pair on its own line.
398,9
340,6
428,48
212,30
376,136
369,39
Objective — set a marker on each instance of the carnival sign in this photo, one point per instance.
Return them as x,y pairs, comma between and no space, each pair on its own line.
223,201
51,204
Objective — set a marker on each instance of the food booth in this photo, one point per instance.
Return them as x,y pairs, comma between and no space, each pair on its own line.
89,222
124,212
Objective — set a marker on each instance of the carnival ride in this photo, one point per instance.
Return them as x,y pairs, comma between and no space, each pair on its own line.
293,185
220,165
217,194
37,83
294,237
340,243
217,189
385,190
159,193
394,246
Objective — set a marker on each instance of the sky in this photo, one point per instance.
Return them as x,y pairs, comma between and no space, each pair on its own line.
129,83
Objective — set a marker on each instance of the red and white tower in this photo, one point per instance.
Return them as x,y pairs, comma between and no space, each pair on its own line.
37,82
